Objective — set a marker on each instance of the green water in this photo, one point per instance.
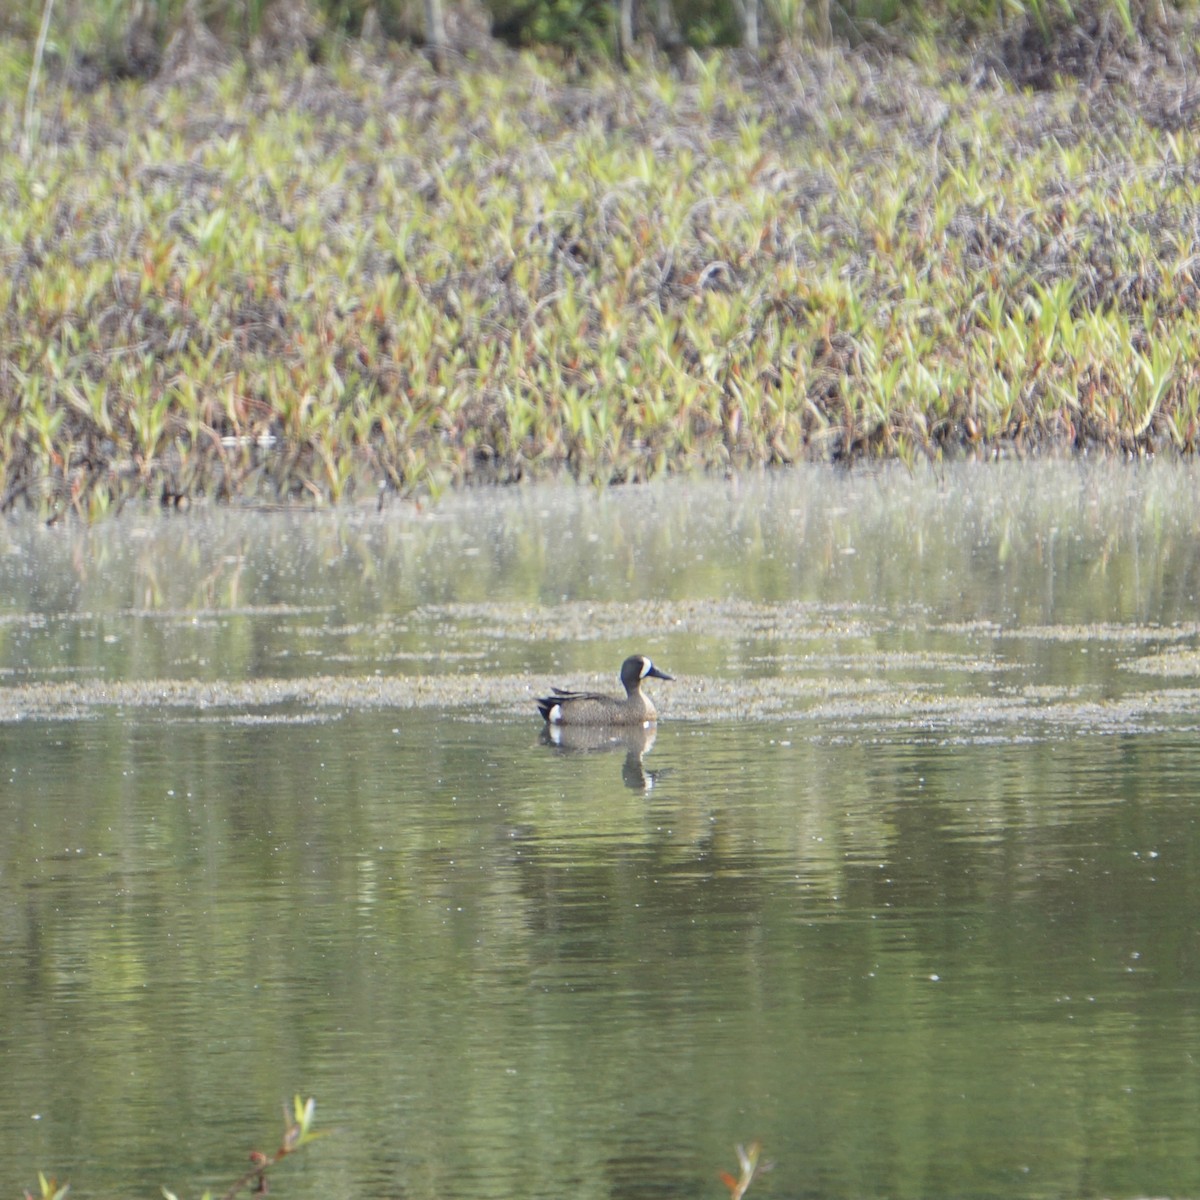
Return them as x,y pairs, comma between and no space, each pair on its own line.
906,884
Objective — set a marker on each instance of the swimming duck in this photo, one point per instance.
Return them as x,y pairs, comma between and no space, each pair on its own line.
591,708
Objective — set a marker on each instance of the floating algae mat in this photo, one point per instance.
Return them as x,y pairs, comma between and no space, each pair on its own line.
898,691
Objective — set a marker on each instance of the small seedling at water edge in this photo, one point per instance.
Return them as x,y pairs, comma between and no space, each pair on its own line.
297,1132
750,1168
48,1189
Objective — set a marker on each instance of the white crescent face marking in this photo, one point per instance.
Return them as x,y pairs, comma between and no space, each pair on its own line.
556,714
647,665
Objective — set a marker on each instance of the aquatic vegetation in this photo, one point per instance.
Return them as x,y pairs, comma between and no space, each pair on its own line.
297,1133
323,281
48,1189
749,1167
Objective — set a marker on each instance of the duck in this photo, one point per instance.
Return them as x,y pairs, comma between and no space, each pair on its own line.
565,707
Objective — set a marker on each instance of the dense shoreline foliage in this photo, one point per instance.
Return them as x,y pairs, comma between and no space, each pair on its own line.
248,277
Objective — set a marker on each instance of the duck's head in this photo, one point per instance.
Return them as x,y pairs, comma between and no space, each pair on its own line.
638,667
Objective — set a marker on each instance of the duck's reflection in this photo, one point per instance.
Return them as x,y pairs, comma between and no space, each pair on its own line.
636,741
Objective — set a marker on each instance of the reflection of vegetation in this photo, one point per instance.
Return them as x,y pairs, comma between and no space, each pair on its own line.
431,921
796,591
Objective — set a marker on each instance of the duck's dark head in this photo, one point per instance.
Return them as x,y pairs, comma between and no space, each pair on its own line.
638,667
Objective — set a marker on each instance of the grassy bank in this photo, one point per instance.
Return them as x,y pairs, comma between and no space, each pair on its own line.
317,280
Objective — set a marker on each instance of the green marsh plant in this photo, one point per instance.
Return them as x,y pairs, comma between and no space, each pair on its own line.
298,1133
315,283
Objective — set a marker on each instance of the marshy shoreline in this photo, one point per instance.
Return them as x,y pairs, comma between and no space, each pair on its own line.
313,282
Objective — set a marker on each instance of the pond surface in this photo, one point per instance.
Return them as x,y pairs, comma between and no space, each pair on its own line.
905,884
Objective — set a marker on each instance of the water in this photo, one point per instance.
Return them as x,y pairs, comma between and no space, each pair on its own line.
905,884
